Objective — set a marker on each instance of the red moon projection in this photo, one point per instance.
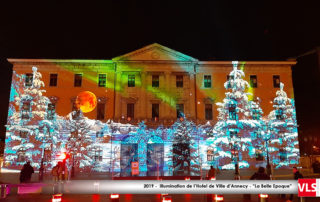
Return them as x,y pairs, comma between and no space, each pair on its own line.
87,101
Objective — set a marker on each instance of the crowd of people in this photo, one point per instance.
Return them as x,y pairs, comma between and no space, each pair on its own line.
58,172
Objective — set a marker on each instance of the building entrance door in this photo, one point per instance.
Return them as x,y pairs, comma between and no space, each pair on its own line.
155,159
129,154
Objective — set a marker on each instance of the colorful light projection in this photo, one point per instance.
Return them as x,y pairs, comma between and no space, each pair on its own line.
86,101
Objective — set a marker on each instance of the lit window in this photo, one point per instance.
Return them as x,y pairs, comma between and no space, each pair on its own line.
207,81
100,111
208,111
232,111
130,110
21,155
102,80
74,134
180,110
253,81
98,154
283,154
229,78
47,155
131,80
53,80
233,134
255,114
77,80
155,81
51,111
25,110
155,111
23,134
276,81
28,80
210,155
259,154
279,114
179,81
99,134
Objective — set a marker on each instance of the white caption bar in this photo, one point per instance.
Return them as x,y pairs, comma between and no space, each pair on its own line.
180,187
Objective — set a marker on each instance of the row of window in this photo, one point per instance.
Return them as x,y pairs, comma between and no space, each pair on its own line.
25,111
47,155
102,80
258,154
179,111
98,152
51,109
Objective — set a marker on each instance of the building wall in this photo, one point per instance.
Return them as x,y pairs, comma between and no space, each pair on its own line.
65,90
117,94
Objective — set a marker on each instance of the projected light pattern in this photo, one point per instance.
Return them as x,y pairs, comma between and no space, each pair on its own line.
182,149
86,101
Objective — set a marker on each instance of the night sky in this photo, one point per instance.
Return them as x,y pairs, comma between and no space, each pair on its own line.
206,30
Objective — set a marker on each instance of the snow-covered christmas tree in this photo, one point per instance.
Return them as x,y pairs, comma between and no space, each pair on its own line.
80,143
282,125
258,133
23,127
234,122
185,151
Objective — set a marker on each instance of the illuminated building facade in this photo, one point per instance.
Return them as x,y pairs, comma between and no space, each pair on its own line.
153,84
150,106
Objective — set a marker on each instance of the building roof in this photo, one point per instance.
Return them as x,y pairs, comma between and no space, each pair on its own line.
151,53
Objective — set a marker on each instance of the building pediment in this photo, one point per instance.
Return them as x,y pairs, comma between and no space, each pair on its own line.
155,52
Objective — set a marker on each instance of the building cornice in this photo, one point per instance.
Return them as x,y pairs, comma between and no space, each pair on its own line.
248,62
83,61
31,61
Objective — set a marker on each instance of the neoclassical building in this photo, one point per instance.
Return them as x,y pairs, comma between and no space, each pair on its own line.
155,84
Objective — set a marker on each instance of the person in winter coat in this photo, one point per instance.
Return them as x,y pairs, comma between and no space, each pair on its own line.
63,171
55,173
296,175
260,175
26,172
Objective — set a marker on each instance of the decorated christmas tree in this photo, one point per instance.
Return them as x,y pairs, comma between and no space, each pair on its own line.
232,139
284,148
185,152
80,143
24,124
258,133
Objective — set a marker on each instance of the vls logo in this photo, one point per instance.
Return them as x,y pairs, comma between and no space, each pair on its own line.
308,187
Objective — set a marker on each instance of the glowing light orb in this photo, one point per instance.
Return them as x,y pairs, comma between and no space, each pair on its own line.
86,101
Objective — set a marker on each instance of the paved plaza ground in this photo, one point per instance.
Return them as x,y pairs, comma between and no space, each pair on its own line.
13,178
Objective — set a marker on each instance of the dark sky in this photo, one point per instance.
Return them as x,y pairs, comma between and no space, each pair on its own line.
207,30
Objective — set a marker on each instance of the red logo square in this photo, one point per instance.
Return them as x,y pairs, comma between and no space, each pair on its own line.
307,187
